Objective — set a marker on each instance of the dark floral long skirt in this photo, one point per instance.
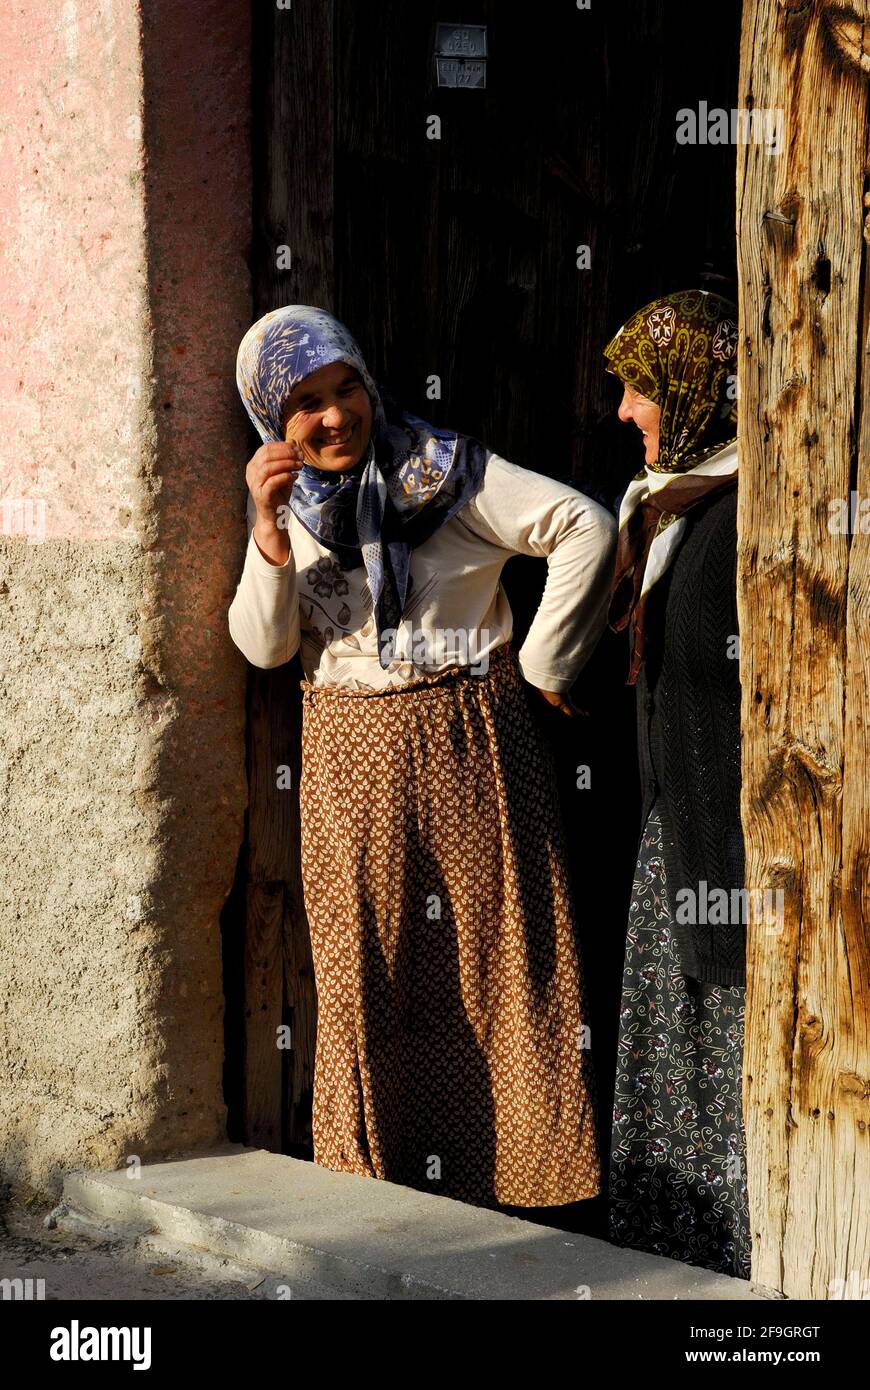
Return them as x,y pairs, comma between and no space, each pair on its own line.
677,1162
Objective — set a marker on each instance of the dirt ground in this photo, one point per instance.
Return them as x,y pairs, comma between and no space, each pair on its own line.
92,1265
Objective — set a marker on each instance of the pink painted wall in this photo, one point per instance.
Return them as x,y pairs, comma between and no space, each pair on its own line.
72,345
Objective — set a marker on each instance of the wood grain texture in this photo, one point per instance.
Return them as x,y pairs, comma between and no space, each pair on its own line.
802,603
851,1156
278,1085
263,1015
293,164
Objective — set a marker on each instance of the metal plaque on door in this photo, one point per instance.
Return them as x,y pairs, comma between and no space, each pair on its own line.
460,55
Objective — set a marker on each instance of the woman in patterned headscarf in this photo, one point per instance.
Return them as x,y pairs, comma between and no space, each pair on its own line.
450,1035
677,1181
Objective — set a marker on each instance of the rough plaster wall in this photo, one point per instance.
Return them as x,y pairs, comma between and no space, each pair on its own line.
124,233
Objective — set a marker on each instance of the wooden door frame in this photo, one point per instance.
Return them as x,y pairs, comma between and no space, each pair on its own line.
803,598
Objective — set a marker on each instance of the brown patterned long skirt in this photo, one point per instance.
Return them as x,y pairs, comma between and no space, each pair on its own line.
451,1050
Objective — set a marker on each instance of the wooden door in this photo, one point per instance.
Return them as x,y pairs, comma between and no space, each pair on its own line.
457,258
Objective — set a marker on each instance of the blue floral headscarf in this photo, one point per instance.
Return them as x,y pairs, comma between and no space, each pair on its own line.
411,479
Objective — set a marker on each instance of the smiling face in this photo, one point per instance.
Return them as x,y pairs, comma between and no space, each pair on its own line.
329,415
646,415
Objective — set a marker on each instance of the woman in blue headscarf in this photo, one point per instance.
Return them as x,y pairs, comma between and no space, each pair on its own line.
452,1054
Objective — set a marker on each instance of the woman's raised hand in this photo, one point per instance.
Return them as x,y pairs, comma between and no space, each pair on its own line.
270,476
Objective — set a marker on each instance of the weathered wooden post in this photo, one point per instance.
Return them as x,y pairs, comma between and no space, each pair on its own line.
804,606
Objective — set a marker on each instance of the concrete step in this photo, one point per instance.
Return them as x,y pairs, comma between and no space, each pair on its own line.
359,1237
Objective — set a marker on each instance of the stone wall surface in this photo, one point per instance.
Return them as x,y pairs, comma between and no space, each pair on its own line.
124,240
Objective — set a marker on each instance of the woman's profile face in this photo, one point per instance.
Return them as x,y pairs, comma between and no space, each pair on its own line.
637,409
329,415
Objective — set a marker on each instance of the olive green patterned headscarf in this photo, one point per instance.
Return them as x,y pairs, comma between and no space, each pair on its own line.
680,352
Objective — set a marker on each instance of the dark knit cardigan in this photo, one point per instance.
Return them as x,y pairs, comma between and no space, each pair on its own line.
689,735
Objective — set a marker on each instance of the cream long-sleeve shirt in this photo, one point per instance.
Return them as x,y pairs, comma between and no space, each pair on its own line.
457,611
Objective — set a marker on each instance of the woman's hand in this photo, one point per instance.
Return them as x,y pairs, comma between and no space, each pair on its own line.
270,476
560,702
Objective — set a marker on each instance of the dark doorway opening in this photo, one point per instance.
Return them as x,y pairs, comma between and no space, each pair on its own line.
462,258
